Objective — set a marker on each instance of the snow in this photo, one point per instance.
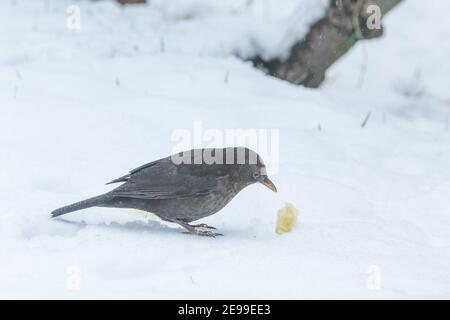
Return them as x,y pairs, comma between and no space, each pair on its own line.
79,108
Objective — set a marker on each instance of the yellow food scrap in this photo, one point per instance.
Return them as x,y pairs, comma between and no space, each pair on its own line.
287,217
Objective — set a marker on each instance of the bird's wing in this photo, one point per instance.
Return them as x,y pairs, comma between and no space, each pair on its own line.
163,179
128,175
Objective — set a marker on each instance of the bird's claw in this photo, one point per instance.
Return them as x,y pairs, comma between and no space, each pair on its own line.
199,229
209,234
204,233
203,225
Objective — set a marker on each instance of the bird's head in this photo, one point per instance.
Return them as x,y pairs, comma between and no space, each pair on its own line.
259,174
252,168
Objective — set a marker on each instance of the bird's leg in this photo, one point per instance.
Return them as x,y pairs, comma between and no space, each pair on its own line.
196,229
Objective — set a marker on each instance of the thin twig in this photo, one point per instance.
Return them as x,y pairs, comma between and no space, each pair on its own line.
227,75
364,123
362,74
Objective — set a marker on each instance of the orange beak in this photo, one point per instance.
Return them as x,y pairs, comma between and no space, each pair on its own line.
269,184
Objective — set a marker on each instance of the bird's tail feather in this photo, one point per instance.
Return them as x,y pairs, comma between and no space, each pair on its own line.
91,202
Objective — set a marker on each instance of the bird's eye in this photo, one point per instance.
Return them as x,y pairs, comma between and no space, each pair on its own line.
256,175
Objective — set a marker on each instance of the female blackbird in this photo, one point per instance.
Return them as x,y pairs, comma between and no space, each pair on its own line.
184,187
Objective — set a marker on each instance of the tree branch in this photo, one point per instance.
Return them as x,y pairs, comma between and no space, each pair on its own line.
344,23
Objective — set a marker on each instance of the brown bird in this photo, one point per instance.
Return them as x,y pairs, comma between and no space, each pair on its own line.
184,187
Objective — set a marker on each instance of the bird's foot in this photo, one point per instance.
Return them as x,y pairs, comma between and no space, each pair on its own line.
202,225
200,229
204,233
205,230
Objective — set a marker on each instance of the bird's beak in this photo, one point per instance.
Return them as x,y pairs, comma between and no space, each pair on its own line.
269,184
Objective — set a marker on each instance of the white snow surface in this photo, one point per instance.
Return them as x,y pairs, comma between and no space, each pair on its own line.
79,108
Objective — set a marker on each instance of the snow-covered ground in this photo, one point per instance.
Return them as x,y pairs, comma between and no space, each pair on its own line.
79,108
